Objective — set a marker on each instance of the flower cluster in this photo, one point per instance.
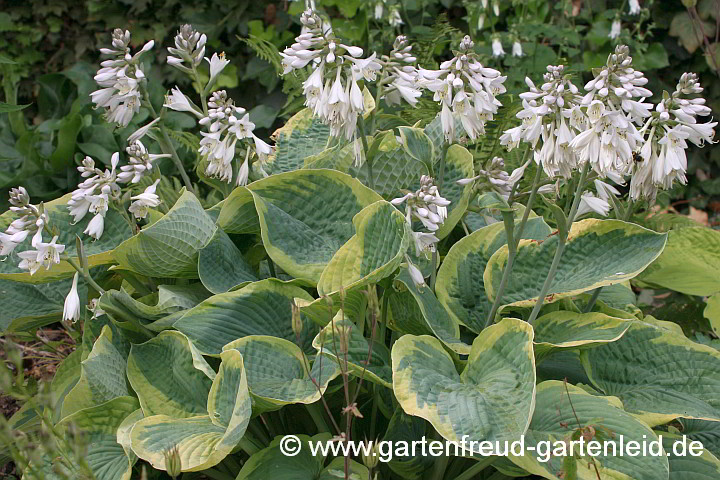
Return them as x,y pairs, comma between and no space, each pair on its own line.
464,88
189,49
33,220
612,112
120,78
551,113
140,163
400,78
427,205
226,124
94,194
334,96
674,122
493,177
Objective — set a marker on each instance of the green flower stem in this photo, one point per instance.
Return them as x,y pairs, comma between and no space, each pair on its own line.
203,93
470,473
562,240
167,146
509,220
433,274
86,275
441,172
378,94
368,160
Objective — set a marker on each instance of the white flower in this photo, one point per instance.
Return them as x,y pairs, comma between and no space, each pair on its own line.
424,242
119,78
473,106
179,102
71,309
615,29
48,254
189,46
415,274
140,163
394,18
496,8
217,64
142,202
497,48
517,50
95,227
591,203
425,204
634,7
29,261
8,242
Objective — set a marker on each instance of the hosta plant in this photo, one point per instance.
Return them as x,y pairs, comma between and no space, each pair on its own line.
358,278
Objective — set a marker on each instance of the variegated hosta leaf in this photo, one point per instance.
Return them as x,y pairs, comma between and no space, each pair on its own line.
554,420
261,308
157,311
598,253
705,431
458,165
689,263
272,463
116,230
565,329
103,374
279,373
105,456
375,251
377,370
460,286
338,157
492,399
407,428
221,265
202,440
436,317
418,145
164,374
304,217
394,168
28,306
659,375
237,214
170,246
302,136
322,310
689,467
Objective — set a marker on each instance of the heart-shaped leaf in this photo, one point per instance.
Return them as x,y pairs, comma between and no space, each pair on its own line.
304,217
170,246
373,253
261,308
460,286
492,399
202,440
598,253
279,373
659,375
689,263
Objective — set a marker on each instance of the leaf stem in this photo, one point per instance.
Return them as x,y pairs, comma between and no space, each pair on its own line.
368,160
562,240
513,243
167,146
86,275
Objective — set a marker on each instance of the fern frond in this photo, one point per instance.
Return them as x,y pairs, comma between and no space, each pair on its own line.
264,50
187,140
